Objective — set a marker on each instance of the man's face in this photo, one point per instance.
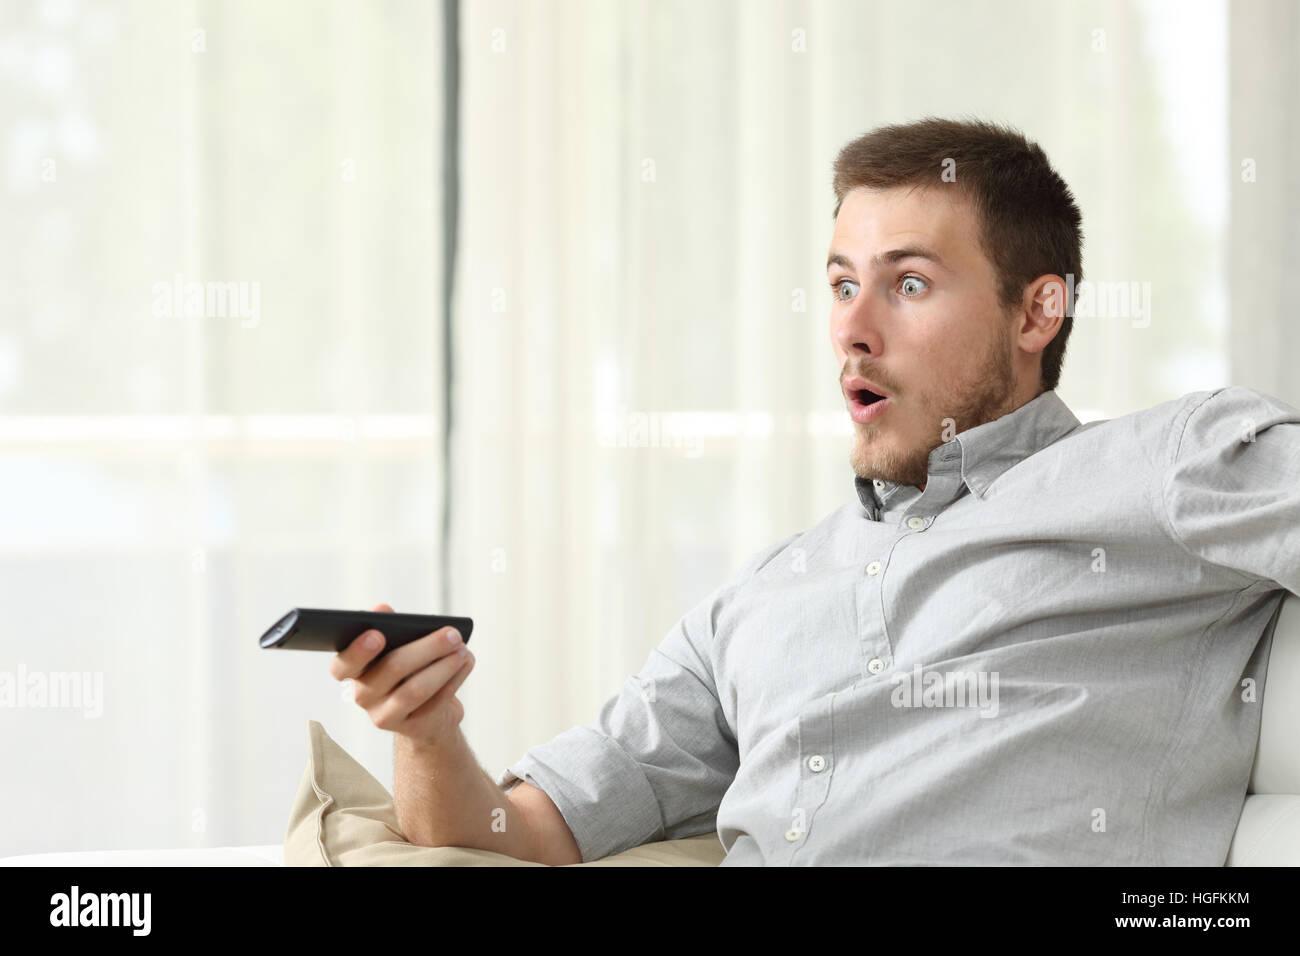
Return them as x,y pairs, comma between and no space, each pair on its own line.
915,312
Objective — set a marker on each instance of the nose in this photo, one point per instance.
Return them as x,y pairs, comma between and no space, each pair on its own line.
855,330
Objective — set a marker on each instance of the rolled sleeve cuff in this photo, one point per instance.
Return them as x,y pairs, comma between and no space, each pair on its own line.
601,792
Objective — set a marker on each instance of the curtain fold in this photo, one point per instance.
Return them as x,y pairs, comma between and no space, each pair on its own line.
1264,247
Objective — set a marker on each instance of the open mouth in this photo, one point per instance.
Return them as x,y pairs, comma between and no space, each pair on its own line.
866,405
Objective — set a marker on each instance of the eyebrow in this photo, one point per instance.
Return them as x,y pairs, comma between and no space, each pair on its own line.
890,257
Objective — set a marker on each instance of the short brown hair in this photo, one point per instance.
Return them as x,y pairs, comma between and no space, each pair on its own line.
1030,223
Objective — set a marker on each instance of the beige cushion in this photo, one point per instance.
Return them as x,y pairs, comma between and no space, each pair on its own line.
343,816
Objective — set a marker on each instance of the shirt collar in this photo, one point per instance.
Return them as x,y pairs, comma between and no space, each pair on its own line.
984,452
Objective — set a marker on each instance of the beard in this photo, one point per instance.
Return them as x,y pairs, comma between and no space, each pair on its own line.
885,452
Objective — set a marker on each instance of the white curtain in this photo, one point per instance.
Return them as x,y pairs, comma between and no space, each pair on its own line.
170,482
1264,257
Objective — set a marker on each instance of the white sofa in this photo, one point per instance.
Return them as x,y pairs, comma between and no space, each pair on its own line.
1268,833
272,855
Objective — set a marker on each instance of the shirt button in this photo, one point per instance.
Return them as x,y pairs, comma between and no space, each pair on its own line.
875,665
879,484
874,567
816,763
916,523
793,835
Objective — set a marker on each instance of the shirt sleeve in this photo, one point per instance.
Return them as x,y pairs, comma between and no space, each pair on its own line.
660,755
1232,492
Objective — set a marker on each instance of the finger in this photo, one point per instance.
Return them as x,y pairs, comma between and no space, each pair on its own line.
353,659
416,690
352,662
448,692
458,678
402,662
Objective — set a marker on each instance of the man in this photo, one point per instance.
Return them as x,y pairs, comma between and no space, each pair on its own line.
1023,641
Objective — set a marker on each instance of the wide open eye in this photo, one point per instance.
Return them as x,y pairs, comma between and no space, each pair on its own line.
835,288
913,286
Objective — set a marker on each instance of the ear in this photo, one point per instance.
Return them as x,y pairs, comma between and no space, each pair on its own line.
1042,311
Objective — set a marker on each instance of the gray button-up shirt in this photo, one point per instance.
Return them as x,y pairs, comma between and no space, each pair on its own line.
1051,656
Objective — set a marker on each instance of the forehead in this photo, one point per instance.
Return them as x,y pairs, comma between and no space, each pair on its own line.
872,221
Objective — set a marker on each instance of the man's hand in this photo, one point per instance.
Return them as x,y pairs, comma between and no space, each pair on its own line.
411,691
441,795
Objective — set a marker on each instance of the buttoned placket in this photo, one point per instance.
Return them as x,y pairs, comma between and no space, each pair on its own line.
943,485
816,765
873,645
